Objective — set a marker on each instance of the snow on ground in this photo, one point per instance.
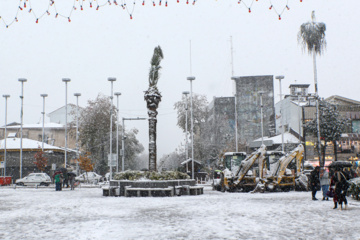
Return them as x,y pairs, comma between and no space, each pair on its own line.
43,213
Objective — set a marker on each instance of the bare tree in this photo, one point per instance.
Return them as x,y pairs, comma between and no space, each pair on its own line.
94,125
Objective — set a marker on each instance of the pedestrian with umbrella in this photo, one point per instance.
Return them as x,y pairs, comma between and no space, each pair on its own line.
339,180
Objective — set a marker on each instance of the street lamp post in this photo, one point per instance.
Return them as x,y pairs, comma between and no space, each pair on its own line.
192,127
117,94
236,121
6,96
123,139
186,131
261,116
111,80
43,122
66,80
22,80
123,145
282,114
77,95
300,118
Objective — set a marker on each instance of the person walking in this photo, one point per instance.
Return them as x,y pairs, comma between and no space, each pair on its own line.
57,180
315,182
341,186
72,181
66,180
324,182
332,190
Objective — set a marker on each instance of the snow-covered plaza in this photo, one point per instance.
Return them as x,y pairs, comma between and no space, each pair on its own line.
43,213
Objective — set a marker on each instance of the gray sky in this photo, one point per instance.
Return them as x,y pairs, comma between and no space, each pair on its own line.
106,43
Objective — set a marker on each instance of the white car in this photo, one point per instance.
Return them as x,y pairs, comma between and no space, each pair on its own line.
89,177
41,179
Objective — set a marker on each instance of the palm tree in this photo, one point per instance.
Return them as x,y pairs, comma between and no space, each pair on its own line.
312,37
153,98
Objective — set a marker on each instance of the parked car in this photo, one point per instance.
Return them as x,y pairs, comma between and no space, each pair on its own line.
41,179
89,177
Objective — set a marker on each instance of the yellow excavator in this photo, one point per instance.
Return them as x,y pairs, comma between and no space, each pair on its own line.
242,179
282,178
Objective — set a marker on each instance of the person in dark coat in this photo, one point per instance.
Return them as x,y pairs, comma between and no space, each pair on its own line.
315,182
332,190
341,185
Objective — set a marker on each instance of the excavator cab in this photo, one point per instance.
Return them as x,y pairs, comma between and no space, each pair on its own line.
232,160
272,160
237,175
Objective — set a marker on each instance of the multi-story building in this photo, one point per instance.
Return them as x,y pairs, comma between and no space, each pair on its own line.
248,96
54,131
54,139
221,120
299,106
249,90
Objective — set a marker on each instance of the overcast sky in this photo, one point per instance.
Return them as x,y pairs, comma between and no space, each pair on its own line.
99,44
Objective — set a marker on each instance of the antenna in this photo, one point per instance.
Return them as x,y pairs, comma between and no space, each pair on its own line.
190,60
232,64
232,58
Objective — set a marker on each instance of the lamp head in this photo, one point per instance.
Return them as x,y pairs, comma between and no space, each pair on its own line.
43,95
280,77
117,94
6,95
111,79
66,80
77,94
191,78
22,80
185,92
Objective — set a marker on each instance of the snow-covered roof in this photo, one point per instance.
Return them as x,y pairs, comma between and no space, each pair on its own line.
37,125
189,160
335,98
14,144
288,138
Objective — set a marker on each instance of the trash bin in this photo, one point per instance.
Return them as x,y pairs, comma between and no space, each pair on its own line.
117,191
5,181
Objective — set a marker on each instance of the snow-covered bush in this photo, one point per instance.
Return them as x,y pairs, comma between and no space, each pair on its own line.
150,175
354,189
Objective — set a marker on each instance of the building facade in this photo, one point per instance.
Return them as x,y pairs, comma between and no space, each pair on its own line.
221,120
54,133
221,117
248,90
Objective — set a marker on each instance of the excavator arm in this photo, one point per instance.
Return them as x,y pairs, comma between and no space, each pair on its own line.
247,163
297,153
278,178
234,181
